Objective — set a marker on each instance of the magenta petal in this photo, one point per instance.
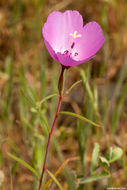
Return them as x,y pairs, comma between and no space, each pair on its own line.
67,41
67,60
51,51
58,27
91,41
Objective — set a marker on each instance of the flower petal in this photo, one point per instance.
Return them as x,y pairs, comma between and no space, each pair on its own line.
67,60
91,41
51,51
58,27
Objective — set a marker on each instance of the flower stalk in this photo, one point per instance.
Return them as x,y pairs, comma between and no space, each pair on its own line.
60,88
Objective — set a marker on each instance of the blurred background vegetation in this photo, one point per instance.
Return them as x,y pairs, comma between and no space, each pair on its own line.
28,74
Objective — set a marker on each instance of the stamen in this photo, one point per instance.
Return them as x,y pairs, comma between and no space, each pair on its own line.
66,52
72,45
75,54
74,35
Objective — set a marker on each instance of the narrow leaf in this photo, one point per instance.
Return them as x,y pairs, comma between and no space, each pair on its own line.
110,153
24,164
80,117
46,98
94,157
95,178
54,179
86,82
73,85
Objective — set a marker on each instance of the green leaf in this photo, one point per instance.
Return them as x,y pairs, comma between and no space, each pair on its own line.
104,161
73,85
97,177
80,117
37,155
46,98
110,153
94,157
116,154
24,164
86,82
54,178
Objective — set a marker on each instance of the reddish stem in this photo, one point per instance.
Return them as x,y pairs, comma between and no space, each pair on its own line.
60,86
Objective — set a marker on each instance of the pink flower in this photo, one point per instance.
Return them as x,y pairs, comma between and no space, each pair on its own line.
68,41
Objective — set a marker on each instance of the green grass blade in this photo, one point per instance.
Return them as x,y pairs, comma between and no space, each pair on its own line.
80,117
46,98
87,86
95,157
97,177
73,85
24,164
54,179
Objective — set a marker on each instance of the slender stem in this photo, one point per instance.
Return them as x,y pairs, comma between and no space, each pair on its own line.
60,87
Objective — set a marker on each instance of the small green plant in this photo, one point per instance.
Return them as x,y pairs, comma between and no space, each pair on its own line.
100,165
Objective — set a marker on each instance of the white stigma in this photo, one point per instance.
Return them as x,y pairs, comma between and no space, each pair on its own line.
75,35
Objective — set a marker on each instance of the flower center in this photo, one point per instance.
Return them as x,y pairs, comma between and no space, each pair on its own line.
70,52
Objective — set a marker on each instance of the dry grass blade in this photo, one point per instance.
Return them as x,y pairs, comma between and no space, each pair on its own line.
59,171
60,6
54,179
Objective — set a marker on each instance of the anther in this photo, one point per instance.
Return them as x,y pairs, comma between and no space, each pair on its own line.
65,52
72,45
75,54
